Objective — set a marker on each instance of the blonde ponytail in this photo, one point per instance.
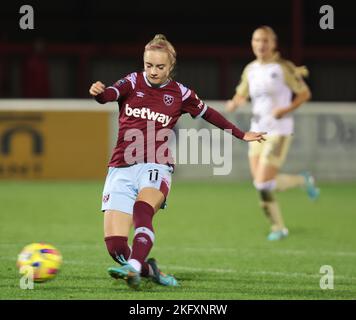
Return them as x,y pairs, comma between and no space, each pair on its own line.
301,71
160,36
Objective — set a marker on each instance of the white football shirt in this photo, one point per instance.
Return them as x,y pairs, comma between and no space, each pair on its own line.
271,85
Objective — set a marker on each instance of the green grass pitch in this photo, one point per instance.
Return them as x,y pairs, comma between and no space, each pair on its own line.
212,237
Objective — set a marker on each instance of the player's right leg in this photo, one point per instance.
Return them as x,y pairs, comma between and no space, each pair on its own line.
265,184
265,160
117,226
117,204
117,201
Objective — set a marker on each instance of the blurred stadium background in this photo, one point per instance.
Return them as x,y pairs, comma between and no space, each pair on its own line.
56,141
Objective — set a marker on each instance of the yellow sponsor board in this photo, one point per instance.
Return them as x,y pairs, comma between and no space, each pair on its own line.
53,145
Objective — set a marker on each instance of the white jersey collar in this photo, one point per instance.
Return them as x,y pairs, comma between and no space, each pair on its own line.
150,85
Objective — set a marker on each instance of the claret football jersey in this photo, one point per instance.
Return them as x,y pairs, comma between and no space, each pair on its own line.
147,115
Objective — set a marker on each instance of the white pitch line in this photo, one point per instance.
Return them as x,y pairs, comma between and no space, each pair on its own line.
299,274
305,252
192,269
213,270
209,250
271,273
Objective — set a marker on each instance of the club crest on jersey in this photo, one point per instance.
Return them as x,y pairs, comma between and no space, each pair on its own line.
106,197
168,100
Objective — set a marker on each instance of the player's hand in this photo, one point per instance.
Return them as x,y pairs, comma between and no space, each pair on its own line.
97,88
278,113
254,136
230,106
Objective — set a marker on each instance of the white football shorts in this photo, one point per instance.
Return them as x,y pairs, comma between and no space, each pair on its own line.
123,184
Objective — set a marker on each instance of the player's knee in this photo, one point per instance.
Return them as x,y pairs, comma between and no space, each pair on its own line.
117,246
265,190
269,185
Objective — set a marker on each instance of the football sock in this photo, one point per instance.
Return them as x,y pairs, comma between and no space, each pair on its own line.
287,181
273,213
272,210
144,234
146,270
117,246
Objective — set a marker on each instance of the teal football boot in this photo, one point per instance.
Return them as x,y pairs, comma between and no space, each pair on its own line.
160,277
312,191
278,235
126,272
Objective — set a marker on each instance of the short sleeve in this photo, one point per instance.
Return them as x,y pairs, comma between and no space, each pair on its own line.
293,80
242,88
193,105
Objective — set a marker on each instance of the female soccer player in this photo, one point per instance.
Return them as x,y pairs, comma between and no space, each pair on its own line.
271,82
139,175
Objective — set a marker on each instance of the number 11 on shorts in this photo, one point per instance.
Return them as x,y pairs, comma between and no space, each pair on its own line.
153,174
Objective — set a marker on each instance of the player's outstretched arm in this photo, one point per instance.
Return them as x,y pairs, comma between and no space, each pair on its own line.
97,88
254,136
215,118
102,94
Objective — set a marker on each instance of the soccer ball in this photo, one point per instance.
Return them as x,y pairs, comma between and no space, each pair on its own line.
44,259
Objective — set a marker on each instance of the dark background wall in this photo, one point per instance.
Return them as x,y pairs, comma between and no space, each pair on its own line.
90,40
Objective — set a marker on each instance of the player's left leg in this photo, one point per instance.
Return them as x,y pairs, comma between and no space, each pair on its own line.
288,181
304,180
148,202
153,185
117,226
309,183
146,205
